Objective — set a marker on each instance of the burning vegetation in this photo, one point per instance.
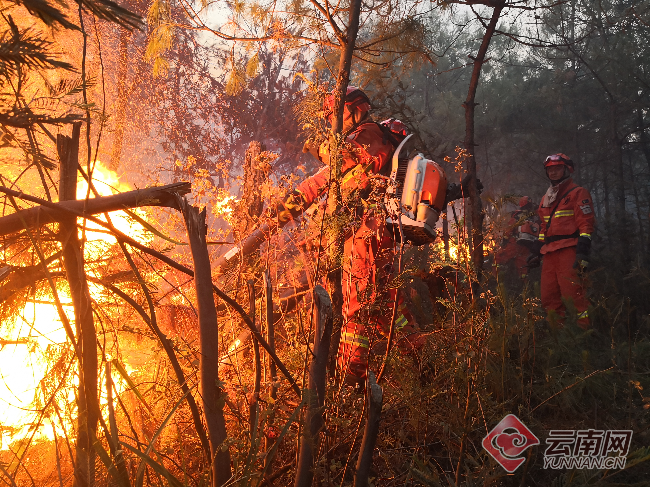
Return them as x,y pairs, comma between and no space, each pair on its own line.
180,319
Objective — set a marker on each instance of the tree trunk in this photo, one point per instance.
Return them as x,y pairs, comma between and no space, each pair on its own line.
335,202
253,402
643,137
211,390
470,105
73,262
314,421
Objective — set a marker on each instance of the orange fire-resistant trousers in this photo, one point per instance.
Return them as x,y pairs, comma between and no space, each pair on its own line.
515,252
368,303
560,280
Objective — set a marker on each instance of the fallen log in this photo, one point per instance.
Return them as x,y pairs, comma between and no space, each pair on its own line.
48,212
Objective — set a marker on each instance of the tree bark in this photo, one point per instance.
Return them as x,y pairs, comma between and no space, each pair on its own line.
470,105
73,262
375,399
211,390
253,403
335,201
314,421
38,216
270,331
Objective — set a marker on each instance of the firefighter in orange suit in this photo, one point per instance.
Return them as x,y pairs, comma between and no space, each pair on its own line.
368,258
567,223
521,235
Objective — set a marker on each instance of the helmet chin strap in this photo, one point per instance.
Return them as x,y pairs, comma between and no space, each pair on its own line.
566,175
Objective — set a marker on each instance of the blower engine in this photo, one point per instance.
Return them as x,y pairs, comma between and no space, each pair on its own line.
416,195
527,233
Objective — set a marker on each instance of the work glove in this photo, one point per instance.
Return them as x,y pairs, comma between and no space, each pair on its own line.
456,191
533,261
581,264
582,255
535,257
286,210
312,146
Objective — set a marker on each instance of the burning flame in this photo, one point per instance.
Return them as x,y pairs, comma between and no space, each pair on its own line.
37,334
23,365
454,250
106,182
223,206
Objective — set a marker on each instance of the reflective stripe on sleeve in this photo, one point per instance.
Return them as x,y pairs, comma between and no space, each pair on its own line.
354,339
584,314
588,235
400,322
562,213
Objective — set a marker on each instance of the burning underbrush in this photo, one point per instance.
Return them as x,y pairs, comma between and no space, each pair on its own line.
487,353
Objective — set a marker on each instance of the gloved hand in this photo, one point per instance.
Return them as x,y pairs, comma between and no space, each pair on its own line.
581,263
533,260
535,257
582,255
286,210
456,191
312,147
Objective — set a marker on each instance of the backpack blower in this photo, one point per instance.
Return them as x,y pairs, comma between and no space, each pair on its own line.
415,195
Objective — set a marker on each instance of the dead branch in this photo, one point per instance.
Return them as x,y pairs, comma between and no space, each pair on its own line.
256,239
211,389
316,392
270,331
48,212
375,398
16,278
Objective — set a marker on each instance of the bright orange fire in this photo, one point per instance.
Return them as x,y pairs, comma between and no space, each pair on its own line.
37,334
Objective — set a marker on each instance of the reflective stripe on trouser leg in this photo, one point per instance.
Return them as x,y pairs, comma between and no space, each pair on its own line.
561,281
400,322
353,351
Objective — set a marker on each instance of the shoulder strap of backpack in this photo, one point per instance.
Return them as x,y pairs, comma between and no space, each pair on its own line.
559,200
389,135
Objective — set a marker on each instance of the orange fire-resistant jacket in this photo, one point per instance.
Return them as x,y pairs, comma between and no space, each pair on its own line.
368,151
562,221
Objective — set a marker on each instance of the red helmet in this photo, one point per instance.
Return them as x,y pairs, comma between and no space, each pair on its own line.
395,126
559,159
525,201
355,99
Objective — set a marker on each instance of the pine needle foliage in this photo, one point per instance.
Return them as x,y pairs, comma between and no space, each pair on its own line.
27,49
